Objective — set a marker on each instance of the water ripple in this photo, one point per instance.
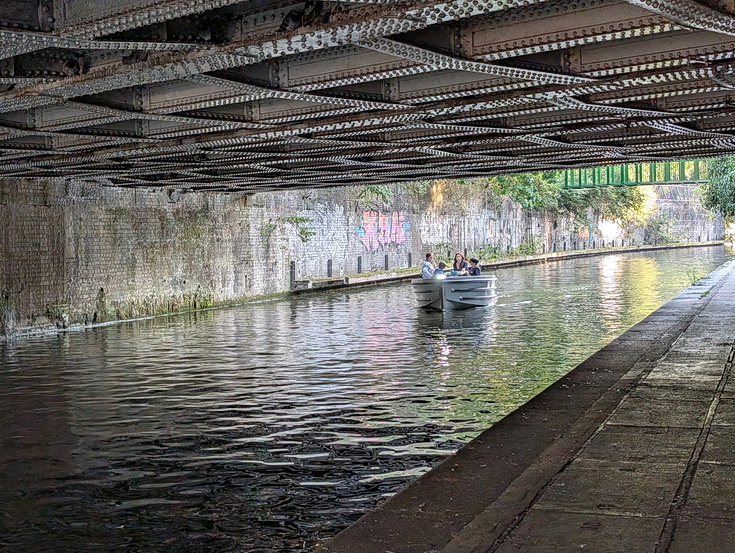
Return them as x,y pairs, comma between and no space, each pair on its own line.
271,426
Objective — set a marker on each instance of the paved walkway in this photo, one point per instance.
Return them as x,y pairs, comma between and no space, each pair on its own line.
633,451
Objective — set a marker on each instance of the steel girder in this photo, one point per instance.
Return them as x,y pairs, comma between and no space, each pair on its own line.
278,94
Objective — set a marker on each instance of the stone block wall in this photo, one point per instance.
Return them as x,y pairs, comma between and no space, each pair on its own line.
74,254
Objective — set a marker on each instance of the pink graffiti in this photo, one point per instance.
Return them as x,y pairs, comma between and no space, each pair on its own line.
382,229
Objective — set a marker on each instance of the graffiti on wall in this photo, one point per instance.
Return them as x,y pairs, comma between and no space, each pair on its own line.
379,230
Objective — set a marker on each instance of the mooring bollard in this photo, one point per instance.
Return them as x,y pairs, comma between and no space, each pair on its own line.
292,273
386,262
359,264
329,268
410,259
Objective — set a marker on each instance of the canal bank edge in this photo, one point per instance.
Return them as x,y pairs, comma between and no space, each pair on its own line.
472,500
352,281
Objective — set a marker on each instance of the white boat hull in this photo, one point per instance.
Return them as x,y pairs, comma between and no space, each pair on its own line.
453,293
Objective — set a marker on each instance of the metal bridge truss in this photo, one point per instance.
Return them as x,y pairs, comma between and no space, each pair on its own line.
255,95
638,174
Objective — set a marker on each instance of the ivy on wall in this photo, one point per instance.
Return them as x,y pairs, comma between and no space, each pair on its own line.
628,206
718,194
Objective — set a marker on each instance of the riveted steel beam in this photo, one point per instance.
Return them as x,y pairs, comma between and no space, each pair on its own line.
16,43
691,14
115,17
258,93
558,26
371,92
440,61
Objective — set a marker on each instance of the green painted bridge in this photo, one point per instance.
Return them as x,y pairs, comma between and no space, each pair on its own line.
638,174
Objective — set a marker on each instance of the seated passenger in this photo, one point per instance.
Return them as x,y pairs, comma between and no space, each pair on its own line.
475,267
427,267
440,268
459,265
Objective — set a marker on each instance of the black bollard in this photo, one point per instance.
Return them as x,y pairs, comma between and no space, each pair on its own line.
359,264
329,268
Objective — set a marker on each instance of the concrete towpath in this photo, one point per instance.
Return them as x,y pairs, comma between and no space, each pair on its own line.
633,451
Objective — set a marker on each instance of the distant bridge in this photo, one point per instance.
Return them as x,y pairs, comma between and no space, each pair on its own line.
638,174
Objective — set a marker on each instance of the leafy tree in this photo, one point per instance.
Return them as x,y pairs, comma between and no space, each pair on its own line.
376,193
624,204
718,193
536,191
533,191
619,203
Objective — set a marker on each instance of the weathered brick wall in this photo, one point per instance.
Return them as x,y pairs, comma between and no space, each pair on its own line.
31,255
81,254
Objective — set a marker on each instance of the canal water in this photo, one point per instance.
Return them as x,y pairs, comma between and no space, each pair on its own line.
271,426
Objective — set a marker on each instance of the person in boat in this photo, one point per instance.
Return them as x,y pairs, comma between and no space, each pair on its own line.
440,268
427,267
474,269
460,265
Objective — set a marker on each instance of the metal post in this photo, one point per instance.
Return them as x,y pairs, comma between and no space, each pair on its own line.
292,273
564,245
329,268
359,263
386,262
410,259
553,247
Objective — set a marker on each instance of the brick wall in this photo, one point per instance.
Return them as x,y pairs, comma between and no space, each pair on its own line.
80,254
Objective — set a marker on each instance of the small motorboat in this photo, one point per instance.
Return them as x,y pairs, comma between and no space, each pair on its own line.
455,292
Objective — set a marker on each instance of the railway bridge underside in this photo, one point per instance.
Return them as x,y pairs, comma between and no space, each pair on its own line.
262,95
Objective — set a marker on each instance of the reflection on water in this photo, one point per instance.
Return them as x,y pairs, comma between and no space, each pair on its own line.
271,426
